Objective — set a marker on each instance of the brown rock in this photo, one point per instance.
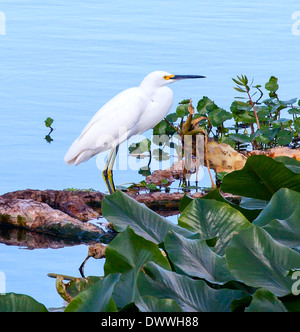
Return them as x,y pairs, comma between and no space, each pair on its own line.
73,203
170,174
278,152
40,217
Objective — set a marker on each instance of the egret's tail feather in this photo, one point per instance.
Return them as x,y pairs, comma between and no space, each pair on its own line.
79,158
79,152
83,156
70,162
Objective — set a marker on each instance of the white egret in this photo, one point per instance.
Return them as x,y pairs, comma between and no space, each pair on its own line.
131,112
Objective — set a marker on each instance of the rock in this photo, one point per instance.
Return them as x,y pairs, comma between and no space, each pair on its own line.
278,152
170,174
223,158
165,204
40,217
73,203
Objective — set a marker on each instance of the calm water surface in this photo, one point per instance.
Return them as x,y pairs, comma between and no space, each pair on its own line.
66,60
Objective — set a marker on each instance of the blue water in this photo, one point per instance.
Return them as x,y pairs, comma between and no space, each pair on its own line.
65,60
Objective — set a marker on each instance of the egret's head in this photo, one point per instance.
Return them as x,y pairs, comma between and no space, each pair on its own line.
161,78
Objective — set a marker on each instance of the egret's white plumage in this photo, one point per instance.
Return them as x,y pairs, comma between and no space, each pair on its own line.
131,112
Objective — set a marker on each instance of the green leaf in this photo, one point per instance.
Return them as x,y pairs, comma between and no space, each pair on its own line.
250,214
265,301
191,295
12,302
229,141
163,128
297,125
295,111
182,110
243,79
253,204
285,137
269,134
195,259
127,254
262,139
288,102
238,107
238,82
272,85
71,289
185,101
281,218
282,205
48,122
263,112
184,202
152,304
240,138
144,171
282,123
246,117
141,147
220,176
212,219
240,90
286,231
172,117
261,178
218,116
48,138
97,298
152,187
123,211
290,163
254,257
203,105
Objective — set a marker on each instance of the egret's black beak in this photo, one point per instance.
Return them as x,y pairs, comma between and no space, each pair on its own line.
183,77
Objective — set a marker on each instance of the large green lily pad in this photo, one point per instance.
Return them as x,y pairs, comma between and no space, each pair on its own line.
213,219
254,257
261,178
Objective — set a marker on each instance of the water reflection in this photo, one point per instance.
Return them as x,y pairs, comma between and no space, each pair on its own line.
13,236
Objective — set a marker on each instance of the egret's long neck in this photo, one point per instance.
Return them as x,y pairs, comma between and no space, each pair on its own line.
150,89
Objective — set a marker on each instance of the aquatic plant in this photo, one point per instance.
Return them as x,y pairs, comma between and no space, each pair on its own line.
219,257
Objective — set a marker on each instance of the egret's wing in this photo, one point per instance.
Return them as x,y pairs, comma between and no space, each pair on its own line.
113,108
112,124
